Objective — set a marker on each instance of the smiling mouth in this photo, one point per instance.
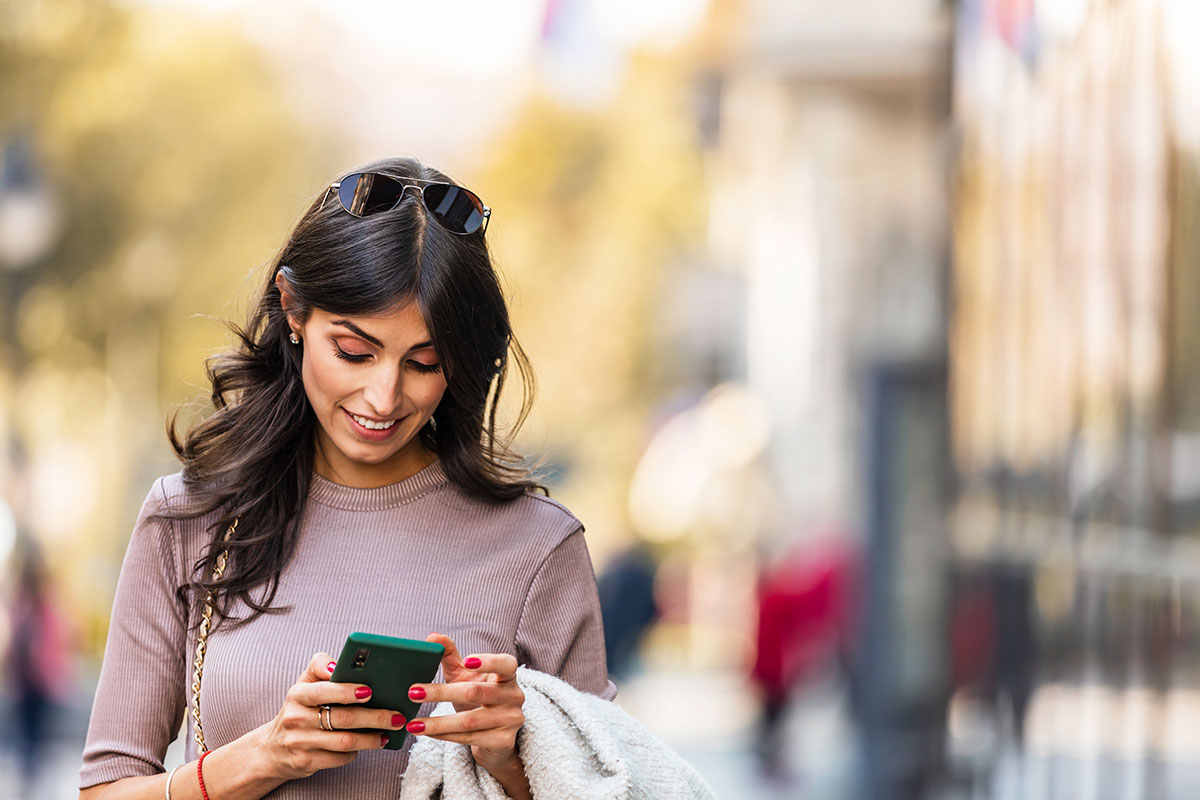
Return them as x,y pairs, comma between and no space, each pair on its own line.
371,424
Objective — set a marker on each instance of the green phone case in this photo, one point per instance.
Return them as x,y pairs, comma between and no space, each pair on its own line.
389,665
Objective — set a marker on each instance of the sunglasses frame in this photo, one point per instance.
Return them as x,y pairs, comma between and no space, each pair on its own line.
336,185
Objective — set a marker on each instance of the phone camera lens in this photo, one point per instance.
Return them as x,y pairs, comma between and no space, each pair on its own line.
360,658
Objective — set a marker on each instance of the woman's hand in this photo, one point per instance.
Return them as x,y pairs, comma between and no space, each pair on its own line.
484,691
294,743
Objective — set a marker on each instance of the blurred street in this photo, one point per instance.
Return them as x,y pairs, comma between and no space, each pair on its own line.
59,776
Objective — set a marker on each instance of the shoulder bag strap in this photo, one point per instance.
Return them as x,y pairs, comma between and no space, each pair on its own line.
202,641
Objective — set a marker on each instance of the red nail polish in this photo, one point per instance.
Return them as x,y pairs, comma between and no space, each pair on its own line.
416,693
397,720
383,739
473,663
330,666
416,726
362,692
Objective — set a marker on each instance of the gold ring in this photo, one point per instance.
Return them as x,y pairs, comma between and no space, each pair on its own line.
325,718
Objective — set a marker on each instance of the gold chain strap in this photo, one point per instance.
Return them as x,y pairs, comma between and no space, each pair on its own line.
202,641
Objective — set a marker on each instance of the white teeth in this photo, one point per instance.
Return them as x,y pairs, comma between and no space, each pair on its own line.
375,426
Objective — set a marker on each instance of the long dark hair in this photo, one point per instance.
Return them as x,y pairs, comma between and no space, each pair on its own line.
252,458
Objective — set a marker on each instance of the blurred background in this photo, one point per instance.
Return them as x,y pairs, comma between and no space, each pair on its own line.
866,334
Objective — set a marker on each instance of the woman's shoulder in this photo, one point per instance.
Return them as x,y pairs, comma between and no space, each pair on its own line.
172,509
163,533
163,495
540,506
530,514
169,495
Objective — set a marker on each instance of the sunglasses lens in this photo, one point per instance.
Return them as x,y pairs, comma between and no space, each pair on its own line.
458,209
365,193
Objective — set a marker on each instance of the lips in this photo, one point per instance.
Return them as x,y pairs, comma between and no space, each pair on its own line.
372,423
372,434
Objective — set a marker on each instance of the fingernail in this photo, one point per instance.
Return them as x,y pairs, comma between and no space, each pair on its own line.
416,726
362,692
331,665
383,740
397,720
472,663
416,693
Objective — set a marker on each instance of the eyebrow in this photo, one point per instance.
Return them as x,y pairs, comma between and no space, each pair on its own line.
345,323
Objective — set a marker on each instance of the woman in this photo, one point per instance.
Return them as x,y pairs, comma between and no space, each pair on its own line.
352,460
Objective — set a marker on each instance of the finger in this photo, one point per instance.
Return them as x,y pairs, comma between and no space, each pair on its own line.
319,668
450,659
329,693
349,741
502,665
347,717
477,719
468,693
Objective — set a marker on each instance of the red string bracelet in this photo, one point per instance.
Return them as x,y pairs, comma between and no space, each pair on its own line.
200,773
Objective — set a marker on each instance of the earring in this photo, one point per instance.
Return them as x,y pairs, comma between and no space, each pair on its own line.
293,338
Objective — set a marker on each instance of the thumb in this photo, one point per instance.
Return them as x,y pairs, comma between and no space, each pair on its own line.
319,669
451,660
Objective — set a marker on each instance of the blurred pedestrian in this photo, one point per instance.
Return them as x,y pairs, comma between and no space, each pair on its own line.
38,662
805,619
1015,652
628,606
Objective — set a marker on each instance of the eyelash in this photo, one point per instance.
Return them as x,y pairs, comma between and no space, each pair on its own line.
358,359
426,367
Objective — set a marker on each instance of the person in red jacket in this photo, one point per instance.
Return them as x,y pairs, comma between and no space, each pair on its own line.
805,606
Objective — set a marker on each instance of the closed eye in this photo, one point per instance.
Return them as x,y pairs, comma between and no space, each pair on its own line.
356,358
352,357
422,367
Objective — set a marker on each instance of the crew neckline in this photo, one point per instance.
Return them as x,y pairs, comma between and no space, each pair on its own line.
350,498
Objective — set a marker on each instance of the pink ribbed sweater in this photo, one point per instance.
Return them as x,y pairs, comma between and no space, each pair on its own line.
403,560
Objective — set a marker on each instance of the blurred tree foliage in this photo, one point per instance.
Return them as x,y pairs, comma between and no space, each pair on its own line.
172,160
592,207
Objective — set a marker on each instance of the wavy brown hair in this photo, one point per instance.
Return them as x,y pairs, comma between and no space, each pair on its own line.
252,459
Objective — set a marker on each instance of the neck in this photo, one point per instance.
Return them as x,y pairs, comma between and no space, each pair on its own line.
371,476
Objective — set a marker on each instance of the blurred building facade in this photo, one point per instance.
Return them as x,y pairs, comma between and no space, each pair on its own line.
1074,387
827,132
962,239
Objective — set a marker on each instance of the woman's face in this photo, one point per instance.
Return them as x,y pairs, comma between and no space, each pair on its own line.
373,382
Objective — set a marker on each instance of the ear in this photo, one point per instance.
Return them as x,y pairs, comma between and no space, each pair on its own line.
287,301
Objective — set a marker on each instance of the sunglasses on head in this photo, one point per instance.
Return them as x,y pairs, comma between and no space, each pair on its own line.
458,210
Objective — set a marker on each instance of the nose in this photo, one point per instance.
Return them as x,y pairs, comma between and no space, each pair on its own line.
383,389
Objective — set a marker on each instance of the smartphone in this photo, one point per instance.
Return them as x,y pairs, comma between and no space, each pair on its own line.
389,665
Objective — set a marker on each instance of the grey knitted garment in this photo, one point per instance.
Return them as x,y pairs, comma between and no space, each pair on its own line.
406,560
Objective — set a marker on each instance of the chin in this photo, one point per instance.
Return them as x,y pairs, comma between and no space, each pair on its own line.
371,457
365,454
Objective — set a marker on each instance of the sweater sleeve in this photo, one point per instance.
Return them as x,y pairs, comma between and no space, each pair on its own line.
560,631
140,699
